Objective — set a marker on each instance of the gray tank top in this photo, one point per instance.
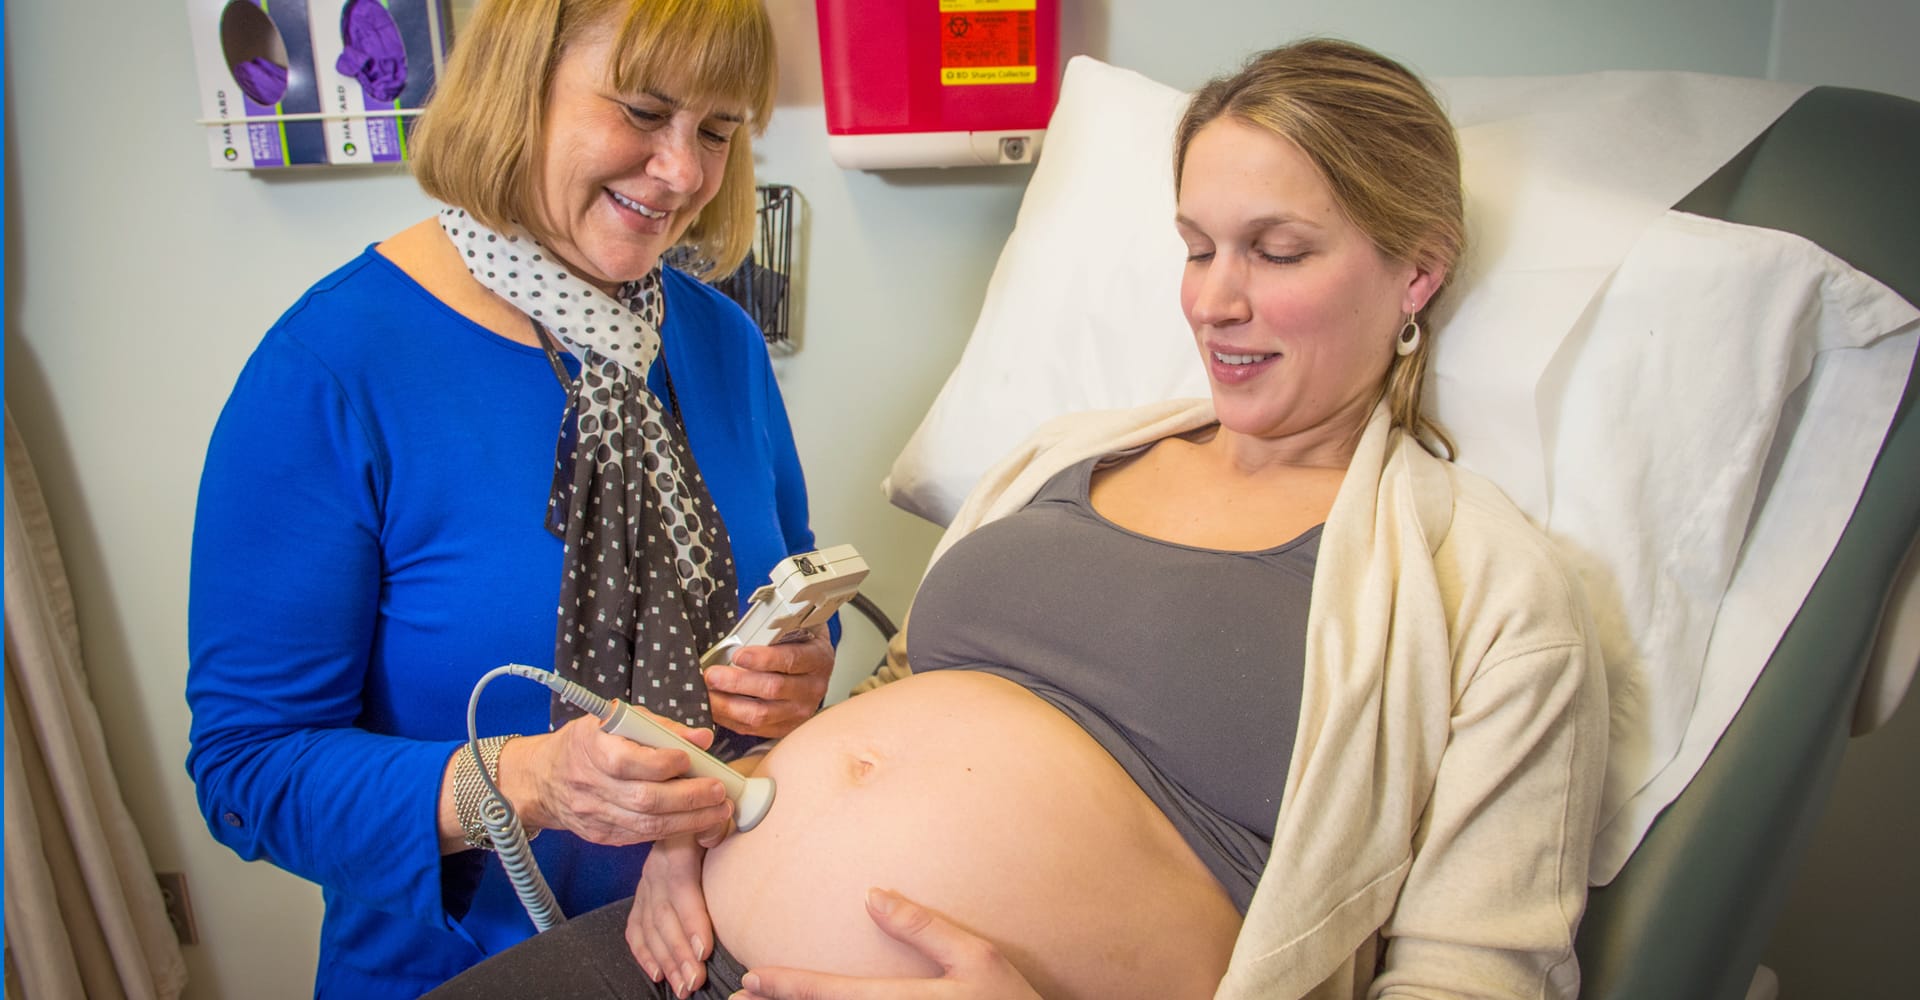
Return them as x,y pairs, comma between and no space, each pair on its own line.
1184,663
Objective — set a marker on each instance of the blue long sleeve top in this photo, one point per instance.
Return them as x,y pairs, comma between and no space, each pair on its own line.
369,540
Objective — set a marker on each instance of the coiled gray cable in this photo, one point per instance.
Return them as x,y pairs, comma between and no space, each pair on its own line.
496,814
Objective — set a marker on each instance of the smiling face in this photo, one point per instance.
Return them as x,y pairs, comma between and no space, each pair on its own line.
1292,306
622,176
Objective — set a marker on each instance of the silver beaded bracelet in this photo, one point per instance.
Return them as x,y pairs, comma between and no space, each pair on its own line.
470,790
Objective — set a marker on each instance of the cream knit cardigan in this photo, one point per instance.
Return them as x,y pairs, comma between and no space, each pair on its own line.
1442,793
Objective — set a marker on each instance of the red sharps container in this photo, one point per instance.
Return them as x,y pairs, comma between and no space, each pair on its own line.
938,83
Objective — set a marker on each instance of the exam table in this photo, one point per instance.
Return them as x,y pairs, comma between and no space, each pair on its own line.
1689,915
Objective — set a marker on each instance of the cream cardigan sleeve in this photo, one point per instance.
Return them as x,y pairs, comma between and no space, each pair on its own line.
1499,876
1498,882
1444,782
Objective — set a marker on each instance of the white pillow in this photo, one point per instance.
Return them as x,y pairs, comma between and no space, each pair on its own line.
1620,370
1562,175
1083,311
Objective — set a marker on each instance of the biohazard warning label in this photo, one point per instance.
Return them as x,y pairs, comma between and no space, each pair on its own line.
987,41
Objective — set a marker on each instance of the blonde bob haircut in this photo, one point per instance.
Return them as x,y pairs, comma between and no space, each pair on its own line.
479,143
1386,149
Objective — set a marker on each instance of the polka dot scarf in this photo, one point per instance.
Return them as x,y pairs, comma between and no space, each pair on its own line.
648,580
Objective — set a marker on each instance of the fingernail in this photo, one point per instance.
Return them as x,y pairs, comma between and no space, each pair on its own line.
699,948
687,973
653,971
880,899
751,981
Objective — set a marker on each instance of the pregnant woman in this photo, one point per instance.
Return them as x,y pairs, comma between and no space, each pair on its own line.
1251,696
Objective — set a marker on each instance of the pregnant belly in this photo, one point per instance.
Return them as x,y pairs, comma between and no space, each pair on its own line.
972,796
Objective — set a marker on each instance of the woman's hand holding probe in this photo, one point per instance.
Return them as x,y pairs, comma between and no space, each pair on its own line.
972,968
771,690
668,928
608,789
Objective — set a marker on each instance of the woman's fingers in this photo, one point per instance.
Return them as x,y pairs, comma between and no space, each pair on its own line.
713,835
960,952
972,967
622,758
794,984
668,928
648,949
770,690
916,926
663,949
673,943
757,717
610,790
811,655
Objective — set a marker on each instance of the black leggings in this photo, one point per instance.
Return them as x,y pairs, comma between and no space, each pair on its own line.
585,957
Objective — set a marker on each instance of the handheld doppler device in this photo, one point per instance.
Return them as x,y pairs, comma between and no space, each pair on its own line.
805,590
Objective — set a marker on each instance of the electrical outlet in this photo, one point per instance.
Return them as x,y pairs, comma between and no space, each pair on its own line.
173,892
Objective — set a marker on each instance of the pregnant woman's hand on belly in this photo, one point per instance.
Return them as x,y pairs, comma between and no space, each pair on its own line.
668,929
971,968
771,690
609,789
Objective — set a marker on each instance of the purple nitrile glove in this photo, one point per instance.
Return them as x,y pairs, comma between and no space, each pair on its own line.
375,54
263,81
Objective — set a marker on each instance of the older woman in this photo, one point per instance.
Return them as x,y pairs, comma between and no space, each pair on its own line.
1253,696
386,514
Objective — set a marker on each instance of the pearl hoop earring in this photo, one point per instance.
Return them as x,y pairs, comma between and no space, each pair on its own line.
1409,339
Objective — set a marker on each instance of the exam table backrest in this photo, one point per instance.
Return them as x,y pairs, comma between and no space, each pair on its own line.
1689,915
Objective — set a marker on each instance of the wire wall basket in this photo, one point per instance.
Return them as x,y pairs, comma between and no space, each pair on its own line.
763,284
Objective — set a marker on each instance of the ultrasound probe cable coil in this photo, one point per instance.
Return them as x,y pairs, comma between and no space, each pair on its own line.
752,797
802,593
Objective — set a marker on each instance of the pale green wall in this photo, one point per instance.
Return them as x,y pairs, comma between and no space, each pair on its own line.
138,279
1857,43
